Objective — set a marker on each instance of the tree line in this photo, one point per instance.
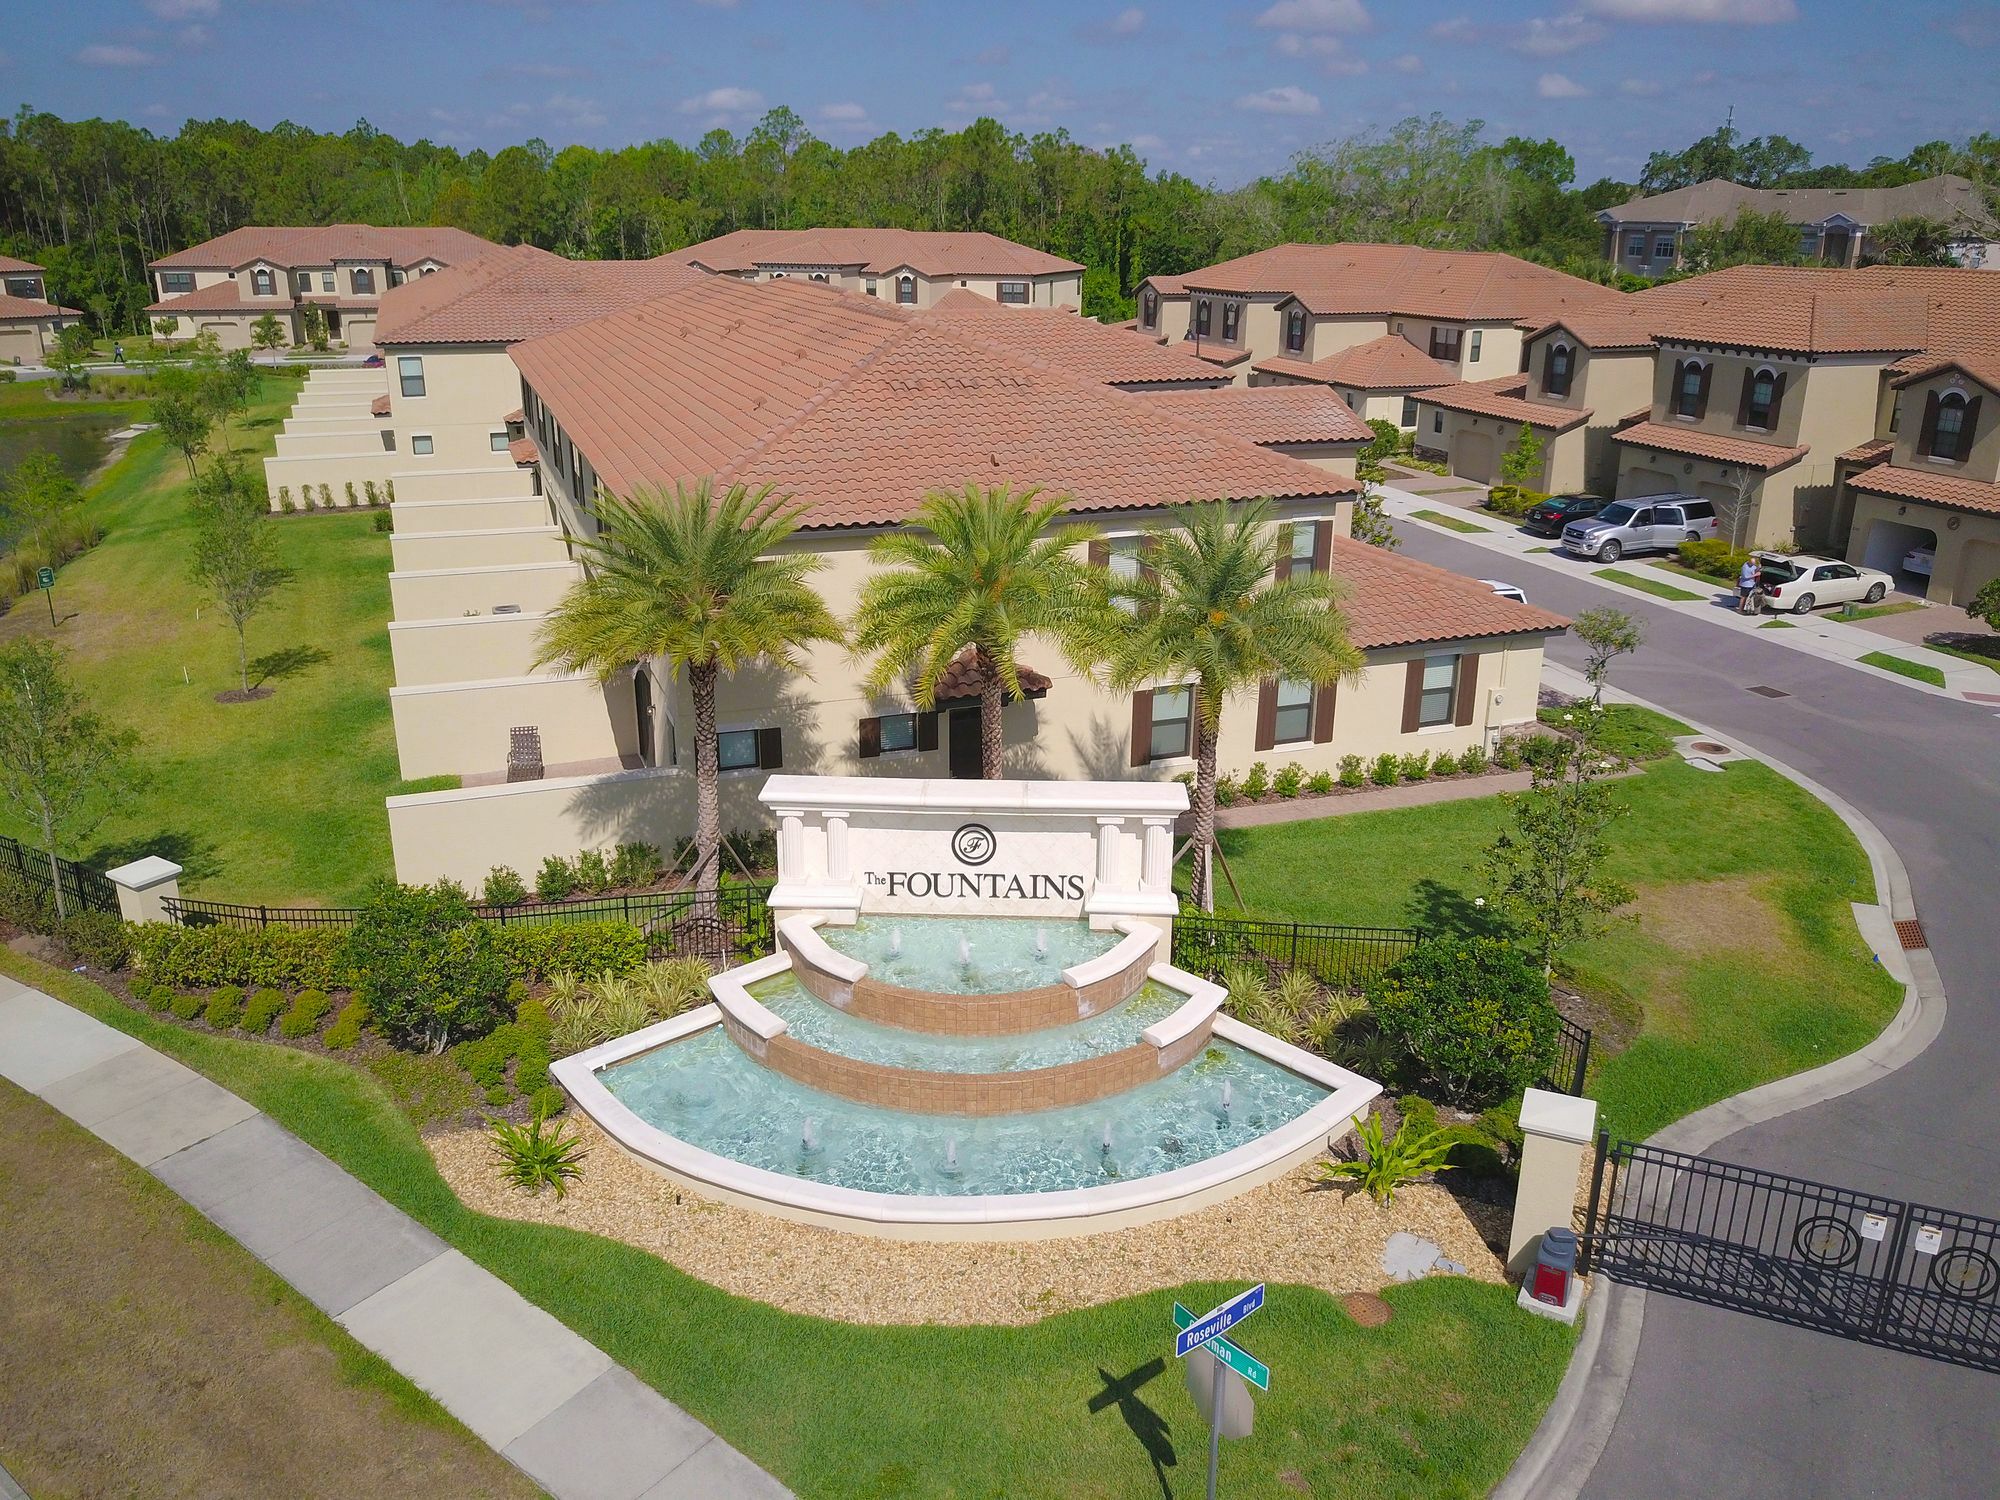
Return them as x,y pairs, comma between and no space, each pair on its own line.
95,200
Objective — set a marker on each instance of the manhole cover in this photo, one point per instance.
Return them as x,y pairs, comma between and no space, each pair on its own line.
1770,692
1709,747
1910,933
1367,1309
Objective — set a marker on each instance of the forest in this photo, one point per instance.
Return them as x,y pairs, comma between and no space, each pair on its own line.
95,200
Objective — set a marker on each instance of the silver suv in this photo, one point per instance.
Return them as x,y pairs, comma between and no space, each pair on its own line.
1646,523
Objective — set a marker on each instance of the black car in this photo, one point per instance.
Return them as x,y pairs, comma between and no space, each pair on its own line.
1556,512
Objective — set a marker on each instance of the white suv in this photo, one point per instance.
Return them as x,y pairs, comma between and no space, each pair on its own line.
1647,523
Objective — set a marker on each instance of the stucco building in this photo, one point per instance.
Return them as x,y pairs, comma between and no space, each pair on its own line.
909,267
29,322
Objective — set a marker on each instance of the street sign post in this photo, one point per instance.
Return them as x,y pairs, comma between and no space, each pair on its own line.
1225,1361
1248,1366
45,580
1218,1320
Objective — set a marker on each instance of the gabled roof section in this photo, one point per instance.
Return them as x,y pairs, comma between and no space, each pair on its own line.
1167,286
1984,368
1505,398
219,296
1956,200
1394,600
324,244
25,309
1929,486
520,293
1267,414
1671,438
9,266
1082,346
1390,363
929,252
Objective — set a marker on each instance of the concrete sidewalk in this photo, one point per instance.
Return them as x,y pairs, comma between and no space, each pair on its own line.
1814,635
581,1426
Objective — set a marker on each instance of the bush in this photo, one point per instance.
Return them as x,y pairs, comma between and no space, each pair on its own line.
1387,771
534,953
187,1004
98,939
23,906
1473,1015
1713,557
1320,783
524,1041
504,887
261,1009
549,1101
1472,760
1257,782
1416,767
1507,754
593,872
346,1028
308,1010
1513,499
1474,1145
1444,763
672,986
374,495
427,969
635,865
326,497
1288,781
384,522
225,1007
533,1157
1225,790
285,499
1352,771
158,996
1386,1165
556,880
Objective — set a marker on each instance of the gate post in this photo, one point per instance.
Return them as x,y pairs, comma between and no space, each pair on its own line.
143,885
1555,1128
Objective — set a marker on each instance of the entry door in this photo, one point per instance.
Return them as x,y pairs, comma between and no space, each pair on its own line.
964,728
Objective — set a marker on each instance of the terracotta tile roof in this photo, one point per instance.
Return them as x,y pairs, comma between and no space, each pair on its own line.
1605,328
515,417
1267,414
1394,600
929,252
9,266
1390,363
1928,485
1871,452
1504,397
322,245
221,296
1821,320
523,451
379,407
1956,200
519,293
963,679
859,410
1463,285
1211,352
1167,286
1673,438
1083,346
1982,367
21,309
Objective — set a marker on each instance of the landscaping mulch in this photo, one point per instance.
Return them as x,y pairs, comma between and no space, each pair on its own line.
1291,1230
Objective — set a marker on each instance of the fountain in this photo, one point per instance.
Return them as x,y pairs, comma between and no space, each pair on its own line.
809,1137
895,942
1227,1097
1041,942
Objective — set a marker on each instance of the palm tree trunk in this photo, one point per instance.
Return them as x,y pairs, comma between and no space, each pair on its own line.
1201,885
992,703
707,775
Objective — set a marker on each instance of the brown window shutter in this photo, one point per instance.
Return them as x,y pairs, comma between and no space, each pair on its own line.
871,739
770,749
1674,390
1099,553
1970,427
1777,399
1743,402
1468,688
927,731
1927,438
1322,546
1142,727
1548,368
1267,713
1701,394
1323,701
1284,568
1413,694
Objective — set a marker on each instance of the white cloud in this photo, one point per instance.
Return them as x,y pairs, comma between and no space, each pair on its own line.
577,114
1146,142
977,93
1558,86
1551,36
726,101
194,37
1046,99
1642,88
1456,29
1330,52
105,55
844,113
183,10
1703,78
1316,15
1128,22
1288,99
1409,62
1695,12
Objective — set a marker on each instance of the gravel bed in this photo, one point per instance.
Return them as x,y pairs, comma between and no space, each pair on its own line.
1285,1231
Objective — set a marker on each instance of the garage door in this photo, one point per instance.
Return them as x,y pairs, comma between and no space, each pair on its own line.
1646,482
361,333
1472,456
1722,494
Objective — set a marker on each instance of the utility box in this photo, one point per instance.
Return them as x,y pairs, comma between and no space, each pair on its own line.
1554,1268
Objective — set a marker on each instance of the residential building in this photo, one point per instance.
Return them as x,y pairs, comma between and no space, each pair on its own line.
29,322
1648,236
857,411
909,267
226,284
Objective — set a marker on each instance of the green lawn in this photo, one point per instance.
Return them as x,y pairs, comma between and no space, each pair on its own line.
1902,666
275,801
1645,585
1668,565
1450,523
1087,1404
1743,964
1875,611
1777,625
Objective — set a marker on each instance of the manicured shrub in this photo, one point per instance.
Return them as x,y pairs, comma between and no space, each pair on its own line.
556,880
1225,791
96,938
1713,557
1352,771
326,497
549,1101
1416,767
285,499
1507,754
1513,499
1386,1165
346,1028
261,1009
225,1006
1320,783
593,872
532,1156
1288,782
1473,1015
203,957
1472,760
504,887
187,1004
384,522
1387,770
428,970
635,865
308,1009
24,906
534,953
374,495
157,996
1256,782
1444,763
671,986
351,500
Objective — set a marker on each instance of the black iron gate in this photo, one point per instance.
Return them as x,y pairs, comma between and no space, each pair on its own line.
1903,1275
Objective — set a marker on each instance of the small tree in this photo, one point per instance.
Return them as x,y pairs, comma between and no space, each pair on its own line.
166,328
1909,240
68,355
60,765
183,419
234,555
1473,1016
1386,443
312,318
226,385
1370,523
1521,464
1749,238
267,332
1985,604
1607,634
41,496
425,967
1546,873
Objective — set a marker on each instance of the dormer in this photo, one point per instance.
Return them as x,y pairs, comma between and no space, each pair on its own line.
1944,425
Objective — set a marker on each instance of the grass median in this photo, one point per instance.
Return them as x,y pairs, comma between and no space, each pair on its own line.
1654,586
1902,666
1450,523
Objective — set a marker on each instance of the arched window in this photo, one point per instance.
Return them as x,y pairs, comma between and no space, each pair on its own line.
1690,389
906,290
1295,331
1760,398
817,276
261,284
1149,308
1951,426
1201,314
1557,366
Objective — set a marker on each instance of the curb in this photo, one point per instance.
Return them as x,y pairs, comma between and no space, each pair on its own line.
1560,1457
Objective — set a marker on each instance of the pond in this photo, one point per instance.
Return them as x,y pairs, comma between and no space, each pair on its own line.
79,440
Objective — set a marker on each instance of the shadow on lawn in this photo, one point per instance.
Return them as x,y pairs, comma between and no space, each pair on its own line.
1148,1426
291,661
1449,912
196,855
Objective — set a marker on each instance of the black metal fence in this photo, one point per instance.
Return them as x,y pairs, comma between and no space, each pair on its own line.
1878,1270
83,890
1341,958
1567,1074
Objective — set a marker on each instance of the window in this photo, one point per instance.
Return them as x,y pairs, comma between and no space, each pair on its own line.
1295,331
173,283
1149,308
1896,415
1663,247
749,749
1557,365
1437,420
1691,389
1409,411
1950,434
1304,542
1440,689
326,281
305,282
819,276
1173,723
1635,246
497,441
1014,291
395,277
262,284
870,288
1232,321
899,732
1201,309
906,290
1444,345
24,286
364,281
1760,400
420,444
1472,358
892,733
1293,722
410,373
1808,243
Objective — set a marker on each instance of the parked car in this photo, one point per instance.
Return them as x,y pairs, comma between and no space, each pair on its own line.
372,362
1801,584
1920,560
1553,514
1649,523
1506,590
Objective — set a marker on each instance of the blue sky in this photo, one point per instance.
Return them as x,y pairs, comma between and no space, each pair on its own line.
1219,91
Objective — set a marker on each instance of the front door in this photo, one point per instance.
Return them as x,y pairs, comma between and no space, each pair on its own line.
964,725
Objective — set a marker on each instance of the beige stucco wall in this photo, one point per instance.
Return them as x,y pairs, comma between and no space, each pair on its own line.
22,342
1983,462
1967,543
1475,445
471,648
335,472
448,593
1060,289
506,512
1335,458
464,484
414,552
462,727
468,392
1610,384
1768,502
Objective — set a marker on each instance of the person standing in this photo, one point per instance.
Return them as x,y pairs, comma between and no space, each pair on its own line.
1748,582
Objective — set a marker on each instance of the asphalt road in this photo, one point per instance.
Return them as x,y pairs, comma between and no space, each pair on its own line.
1723,1404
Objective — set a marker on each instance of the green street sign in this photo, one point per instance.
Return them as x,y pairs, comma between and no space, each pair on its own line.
1251,1369
45,578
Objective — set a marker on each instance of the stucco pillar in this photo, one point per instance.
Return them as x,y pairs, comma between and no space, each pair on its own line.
791,844
143,887
1107,852
1157,866
1555,1129
836,847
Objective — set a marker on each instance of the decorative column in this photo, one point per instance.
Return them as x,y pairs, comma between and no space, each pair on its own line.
1157,866
836,847
791,845
143,887
1107,852
1555,1129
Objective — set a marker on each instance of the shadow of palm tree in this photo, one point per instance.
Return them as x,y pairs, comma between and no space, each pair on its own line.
1447,911
289,661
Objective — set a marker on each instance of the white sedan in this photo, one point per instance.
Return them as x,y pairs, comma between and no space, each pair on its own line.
1800,583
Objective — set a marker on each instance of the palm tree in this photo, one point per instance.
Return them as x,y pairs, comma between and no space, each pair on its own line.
691,578
983,578
1209,608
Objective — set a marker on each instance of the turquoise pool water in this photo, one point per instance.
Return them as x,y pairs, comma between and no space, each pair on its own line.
818,1024
1000,953
708,1092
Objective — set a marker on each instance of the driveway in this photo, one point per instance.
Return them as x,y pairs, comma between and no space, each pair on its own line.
1723,1404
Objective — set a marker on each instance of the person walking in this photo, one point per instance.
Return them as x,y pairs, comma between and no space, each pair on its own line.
1749,581
118,353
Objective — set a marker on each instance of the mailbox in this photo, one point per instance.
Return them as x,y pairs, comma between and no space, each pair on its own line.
1554,1268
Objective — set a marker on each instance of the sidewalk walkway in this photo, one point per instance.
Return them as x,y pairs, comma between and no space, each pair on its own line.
1816,635
580,1426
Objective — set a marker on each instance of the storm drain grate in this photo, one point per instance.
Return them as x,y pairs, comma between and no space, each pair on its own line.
1770,692
1911,934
